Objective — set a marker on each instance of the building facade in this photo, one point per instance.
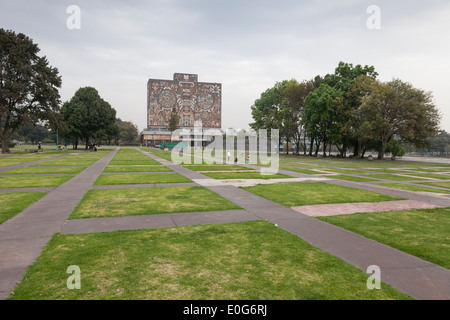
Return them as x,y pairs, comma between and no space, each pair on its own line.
194,102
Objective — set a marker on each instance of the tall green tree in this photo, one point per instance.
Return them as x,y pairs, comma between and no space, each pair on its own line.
397,108
28,85
127,133
267,110
87,116
343,80
320,115
293,110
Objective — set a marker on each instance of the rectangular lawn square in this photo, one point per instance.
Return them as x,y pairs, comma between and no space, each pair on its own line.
44,170
148,168
437,184
309,193
14,203
134,162
244,175
140,179
394,177
412,187
216,168
126,202
33,181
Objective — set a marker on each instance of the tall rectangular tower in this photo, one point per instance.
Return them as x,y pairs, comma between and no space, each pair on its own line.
193,101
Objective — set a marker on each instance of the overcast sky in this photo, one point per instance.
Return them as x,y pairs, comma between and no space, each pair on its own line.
247,45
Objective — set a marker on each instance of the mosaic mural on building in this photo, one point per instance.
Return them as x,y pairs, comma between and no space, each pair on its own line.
193,101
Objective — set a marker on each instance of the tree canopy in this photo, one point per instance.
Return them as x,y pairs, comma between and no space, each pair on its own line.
349,109
88,117
28,86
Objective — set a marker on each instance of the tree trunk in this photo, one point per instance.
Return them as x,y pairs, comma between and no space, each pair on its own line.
5,147
359,148
317,148
87,143
311,144
382,149
304,144
324,153
287,145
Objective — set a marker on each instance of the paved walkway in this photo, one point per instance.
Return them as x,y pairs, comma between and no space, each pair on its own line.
23,237
323,210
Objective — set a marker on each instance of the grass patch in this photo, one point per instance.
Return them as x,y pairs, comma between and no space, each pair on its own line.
126,202
422,233
437,184
147,168
44,170
351,178
393,177
14,203
66,163
305,171
308,193
140,179
216,168
133,162
244,175
31,182
236,261
434,176
412,187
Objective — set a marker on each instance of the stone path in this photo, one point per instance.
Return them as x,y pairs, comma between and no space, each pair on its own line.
323,210
23,237
155,221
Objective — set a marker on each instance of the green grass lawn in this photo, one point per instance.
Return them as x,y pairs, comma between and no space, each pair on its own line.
393,177
148,168
412,187
309,193
236,261
111,179
305,171
126,202
33,181
437,184
14,203
216,168
423,233
133,162
159,153
434,176
350,178
44,170
65,163
244,175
